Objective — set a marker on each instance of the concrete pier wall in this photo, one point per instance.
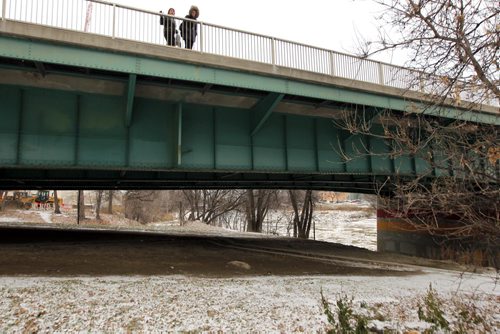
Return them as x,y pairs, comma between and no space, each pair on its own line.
403,236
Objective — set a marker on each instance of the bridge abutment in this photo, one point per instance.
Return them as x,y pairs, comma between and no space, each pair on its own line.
404,234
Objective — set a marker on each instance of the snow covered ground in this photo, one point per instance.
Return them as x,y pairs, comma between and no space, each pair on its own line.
253,304
270,304
8,219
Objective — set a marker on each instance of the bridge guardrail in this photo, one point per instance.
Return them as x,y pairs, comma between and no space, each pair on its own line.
124,22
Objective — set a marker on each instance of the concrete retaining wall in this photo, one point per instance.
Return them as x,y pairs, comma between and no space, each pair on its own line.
400,235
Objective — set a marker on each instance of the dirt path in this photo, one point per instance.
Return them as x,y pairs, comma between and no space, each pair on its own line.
53,252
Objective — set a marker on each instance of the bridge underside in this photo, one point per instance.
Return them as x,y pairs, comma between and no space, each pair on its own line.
75,127
153,179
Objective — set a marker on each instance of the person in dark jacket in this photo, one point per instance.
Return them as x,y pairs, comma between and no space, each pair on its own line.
169,26
189,29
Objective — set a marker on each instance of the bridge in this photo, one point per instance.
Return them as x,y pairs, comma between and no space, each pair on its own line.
108,105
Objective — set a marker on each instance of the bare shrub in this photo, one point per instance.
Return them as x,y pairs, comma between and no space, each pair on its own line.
146,206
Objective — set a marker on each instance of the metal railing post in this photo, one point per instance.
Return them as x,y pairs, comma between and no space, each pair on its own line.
380,73
332,64
4,6
201,37
114,20
231,42
273,51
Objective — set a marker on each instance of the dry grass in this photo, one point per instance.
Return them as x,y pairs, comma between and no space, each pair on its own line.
168,217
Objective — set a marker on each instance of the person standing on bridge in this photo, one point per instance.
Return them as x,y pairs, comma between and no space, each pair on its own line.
169,26
189,29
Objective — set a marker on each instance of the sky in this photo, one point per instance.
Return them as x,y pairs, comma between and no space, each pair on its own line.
331,24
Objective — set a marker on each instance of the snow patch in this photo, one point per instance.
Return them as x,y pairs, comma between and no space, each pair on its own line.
46,216
10,220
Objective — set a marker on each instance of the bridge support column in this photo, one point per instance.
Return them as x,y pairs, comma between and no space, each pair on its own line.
405,234
397,234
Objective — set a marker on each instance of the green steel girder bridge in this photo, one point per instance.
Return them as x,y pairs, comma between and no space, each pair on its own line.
104,104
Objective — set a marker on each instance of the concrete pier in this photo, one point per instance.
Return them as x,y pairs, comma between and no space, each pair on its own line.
404,235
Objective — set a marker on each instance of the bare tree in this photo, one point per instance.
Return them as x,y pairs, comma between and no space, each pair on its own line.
146,206
98,204
208,205
455,44
3,195
302,217
57,208
81,205
110,201
258,203
234,220
454,50
454,194
137,205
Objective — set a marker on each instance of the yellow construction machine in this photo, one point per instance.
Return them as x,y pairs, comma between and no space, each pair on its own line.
23,199
45,198
26,200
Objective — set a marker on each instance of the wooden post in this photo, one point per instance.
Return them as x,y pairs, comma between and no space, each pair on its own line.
78,210
314,229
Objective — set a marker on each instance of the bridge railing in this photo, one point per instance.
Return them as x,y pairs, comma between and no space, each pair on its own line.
124,22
